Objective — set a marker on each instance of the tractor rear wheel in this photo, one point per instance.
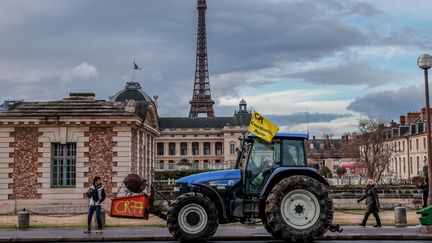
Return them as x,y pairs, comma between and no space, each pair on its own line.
298,209
192,217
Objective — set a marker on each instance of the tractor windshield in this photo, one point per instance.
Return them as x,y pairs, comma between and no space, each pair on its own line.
263,158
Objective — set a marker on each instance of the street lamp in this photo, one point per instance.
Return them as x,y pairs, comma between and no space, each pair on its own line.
425,62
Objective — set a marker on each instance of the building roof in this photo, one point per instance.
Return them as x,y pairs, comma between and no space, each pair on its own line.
132,91
8,104
204,122
66,107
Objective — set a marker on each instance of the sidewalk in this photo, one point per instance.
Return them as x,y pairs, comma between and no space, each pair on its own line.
223,233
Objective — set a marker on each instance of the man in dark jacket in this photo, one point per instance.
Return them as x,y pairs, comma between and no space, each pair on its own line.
97,195
425,192
372,202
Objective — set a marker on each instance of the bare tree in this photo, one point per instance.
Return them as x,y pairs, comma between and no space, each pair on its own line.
369,148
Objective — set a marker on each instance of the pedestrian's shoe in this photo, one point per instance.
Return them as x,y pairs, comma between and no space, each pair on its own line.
377,226
362,225
99,231
87,231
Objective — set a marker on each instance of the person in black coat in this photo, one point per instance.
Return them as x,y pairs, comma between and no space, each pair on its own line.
372,202
425,192
97,195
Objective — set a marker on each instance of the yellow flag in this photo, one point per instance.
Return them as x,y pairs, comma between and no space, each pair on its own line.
262,127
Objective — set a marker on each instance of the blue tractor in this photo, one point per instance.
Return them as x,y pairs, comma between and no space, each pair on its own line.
271,183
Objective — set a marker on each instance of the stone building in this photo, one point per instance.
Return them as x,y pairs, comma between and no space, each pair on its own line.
201,142
407,139
50,151
330,152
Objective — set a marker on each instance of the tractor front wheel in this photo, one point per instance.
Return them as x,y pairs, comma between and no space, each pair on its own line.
192,217
298,209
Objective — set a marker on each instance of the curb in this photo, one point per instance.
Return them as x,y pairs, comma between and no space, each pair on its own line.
217,238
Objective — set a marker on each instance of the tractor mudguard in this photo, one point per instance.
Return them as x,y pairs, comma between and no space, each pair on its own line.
221,201
283,172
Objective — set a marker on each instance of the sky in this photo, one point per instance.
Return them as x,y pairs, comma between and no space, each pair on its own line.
337,61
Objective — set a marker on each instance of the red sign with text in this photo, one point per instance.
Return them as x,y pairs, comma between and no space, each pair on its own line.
130,207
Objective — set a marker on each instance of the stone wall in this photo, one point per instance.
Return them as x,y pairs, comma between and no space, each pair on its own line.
6,161
101,157
122,154
386,203
140,154
134,151
149,158
25,166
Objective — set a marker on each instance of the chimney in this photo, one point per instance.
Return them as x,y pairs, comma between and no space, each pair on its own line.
411,116
402,120
423,114
81,96
313,137
155,100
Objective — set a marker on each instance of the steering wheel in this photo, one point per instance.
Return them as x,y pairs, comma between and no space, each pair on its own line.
265,165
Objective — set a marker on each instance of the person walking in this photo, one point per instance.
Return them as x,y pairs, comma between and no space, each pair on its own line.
97,195
425,192
372,202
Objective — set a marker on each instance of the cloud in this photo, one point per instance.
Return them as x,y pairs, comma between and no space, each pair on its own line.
389,104
352,73
292,101
263,34
352,8
299,118
84,71
231,84
247,41
336,127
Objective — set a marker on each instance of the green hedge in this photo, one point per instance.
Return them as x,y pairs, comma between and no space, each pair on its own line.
175,174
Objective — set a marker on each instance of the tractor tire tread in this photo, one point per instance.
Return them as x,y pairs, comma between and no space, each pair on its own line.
179,203
274,221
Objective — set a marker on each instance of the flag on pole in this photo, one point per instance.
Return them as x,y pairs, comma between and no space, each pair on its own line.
136,67
262,127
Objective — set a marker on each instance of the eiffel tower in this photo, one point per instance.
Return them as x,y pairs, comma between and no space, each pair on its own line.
201,98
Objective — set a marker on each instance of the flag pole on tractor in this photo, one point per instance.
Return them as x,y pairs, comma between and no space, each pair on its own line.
262,127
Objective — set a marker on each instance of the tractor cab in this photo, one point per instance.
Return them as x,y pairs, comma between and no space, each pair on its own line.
262,158
256,161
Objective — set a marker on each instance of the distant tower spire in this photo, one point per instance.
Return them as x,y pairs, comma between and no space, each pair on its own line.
201,98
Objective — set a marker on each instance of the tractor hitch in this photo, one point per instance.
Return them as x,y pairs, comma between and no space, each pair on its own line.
157,212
